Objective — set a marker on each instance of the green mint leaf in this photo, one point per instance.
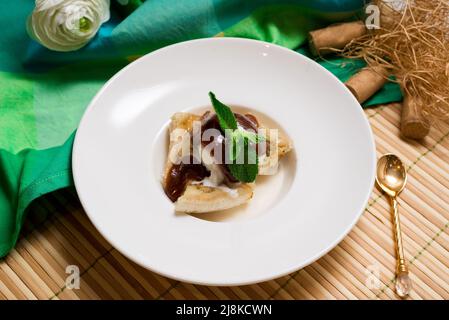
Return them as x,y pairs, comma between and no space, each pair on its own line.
251,136
240,143
225,116
248,171
236,141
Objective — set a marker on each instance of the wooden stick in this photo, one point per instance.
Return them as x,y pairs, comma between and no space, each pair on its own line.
413,124
367,82
336,36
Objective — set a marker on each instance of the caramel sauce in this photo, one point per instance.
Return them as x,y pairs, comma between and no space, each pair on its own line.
180,174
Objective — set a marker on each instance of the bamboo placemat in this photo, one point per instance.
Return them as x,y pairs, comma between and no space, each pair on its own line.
36,268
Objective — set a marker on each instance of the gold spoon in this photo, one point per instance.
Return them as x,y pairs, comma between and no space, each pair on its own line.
391,177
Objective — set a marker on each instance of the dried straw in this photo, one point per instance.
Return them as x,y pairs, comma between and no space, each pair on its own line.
413,42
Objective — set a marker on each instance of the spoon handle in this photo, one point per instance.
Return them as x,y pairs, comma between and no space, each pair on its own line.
403,282
401,263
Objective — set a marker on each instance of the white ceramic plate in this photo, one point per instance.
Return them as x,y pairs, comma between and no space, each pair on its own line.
294,218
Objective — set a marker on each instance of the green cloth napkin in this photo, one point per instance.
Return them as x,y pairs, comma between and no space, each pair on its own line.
43,94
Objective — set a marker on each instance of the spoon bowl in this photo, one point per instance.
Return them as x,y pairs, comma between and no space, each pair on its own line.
391,175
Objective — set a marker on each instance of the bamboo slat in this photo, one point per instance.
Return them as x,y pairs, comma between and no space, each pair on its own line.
36,268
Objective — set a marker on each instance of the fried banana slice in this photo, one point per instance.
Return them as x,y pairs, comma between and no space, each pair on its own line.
198,198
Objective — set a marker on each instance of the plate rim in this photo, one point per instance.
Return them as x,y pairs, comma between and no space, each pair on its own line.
90,106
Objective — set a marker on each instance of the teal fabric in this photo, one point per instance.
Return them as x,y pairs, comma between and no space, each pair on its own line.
44,93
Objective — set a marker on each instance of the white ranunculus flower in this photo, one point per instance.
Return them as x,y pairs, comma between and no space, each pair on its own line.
67,25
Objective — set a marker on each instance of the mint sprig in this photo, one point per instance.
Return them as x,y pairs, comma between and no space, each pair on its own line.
226,117
248,170
251,136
